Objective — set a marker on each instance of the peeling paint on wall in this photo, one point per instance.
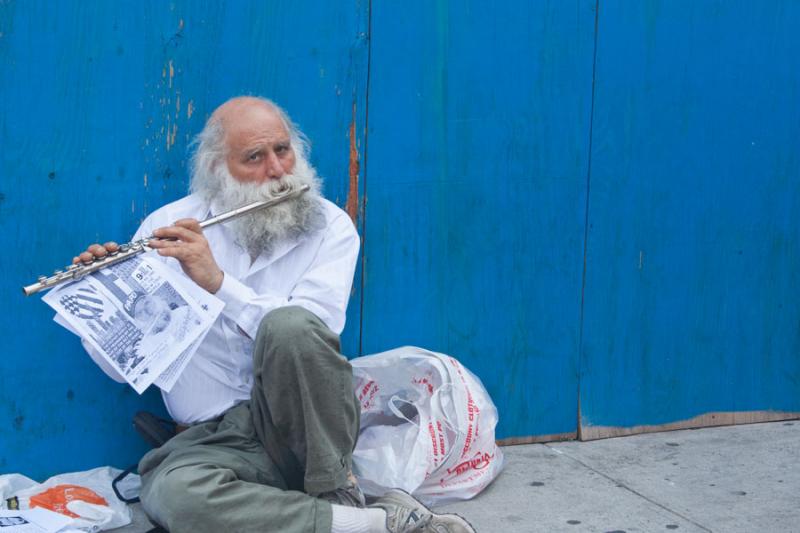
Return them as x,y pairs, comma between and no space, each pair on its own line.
352,194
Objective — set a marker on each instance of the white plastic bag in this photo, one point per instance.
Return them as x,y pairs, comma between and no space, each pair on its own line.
86,497
427,426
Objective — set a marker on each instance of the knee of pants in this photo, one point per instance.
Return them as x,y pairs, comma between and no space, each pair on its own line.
181,495
295,333
286,324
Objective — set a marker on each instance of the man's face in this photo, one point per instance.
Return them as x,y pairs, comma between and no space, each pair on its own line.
258,144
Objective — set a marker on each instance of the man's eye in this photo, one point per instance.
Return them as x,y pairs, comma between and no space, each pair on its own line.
281,148
254,157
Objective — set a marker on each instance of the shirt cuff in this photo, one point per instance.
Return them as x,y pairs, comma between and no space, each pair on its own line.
234,295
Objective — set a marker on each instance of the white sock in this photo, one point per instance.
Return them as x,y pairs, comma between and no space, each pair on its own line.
355,520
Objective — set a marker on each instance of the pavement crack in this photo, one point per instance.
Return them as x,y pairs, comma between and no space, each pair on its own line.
629,489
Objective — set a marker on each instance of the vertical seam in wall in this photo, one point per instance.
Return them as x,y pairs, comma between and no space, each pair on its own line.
586,214
364,196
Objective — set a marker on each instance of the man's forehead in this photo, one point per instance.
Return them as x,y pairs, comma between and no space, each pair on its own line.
248,119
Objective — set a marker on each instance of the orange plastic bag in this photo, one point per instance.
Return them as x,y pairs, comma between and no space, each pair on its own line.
57,498
86,498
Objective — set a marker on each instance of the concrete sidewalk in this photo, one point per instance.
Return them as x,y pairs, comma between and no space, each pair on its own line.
732,479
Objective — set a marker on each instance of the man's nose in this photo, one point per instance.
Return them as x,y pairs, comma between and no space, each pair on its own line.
274,168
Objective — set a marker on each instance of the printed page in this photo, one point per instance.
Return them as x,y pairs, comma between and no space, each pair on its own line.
170,376
35,520
209,304
139,315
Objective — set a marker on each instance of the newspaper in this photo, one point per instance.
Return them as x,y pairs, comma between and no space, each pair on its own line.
139,316
167,378
35,520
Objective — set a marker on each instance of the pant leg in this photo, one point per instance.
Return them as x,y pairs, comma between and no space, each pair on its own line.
304,408
217,477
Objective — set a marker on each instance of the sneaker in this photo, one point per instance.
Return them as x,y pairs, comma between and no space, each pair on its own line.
404,514
349,495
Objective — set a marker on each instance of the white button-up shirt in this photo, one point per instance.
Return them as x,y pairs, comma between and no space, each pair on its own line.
314,272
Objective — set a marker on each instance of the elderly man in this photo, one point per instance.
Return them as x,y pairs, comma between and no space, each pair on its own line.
268,400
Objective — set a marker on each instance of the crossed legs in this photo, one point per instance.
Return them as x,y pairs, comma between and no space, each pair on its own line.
258,468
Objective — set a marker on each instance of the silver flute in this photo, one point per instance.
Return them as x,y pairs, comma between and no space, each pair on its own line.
128,250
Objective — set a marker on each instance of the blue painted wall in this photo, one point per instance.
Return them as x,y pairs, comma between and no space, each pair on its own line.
692,300
97,103
589,203
476,187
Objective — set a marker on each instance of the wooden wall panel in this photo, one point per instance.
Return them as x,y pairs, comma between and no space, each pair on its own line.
468,143
692,299
98,101
476,174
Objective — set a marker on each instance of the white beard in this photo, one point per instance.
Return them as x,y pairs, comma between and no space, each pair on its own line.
260,231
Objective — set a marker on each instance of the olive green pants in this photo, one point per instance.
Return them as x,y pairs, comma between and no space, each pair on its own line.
253,469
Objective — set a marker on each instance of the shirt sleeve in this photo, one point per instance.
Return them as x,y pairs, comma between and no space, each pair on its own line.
324,289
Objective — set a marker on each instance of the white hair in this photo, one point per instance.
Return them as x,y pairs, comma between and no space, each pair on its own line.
257,232
209,148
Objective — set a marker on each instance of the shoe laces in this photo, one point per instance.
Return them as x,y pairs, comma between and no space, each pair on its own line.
416,522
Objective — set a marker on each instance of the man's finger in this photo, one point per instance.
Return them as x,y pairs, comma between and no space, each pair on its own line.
86,257
178,252
111,246
97,250
189,223
178,232
164,243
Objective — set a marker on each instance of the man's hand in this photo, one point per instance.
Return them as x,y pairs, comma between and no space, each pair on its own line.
192,250
95,251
